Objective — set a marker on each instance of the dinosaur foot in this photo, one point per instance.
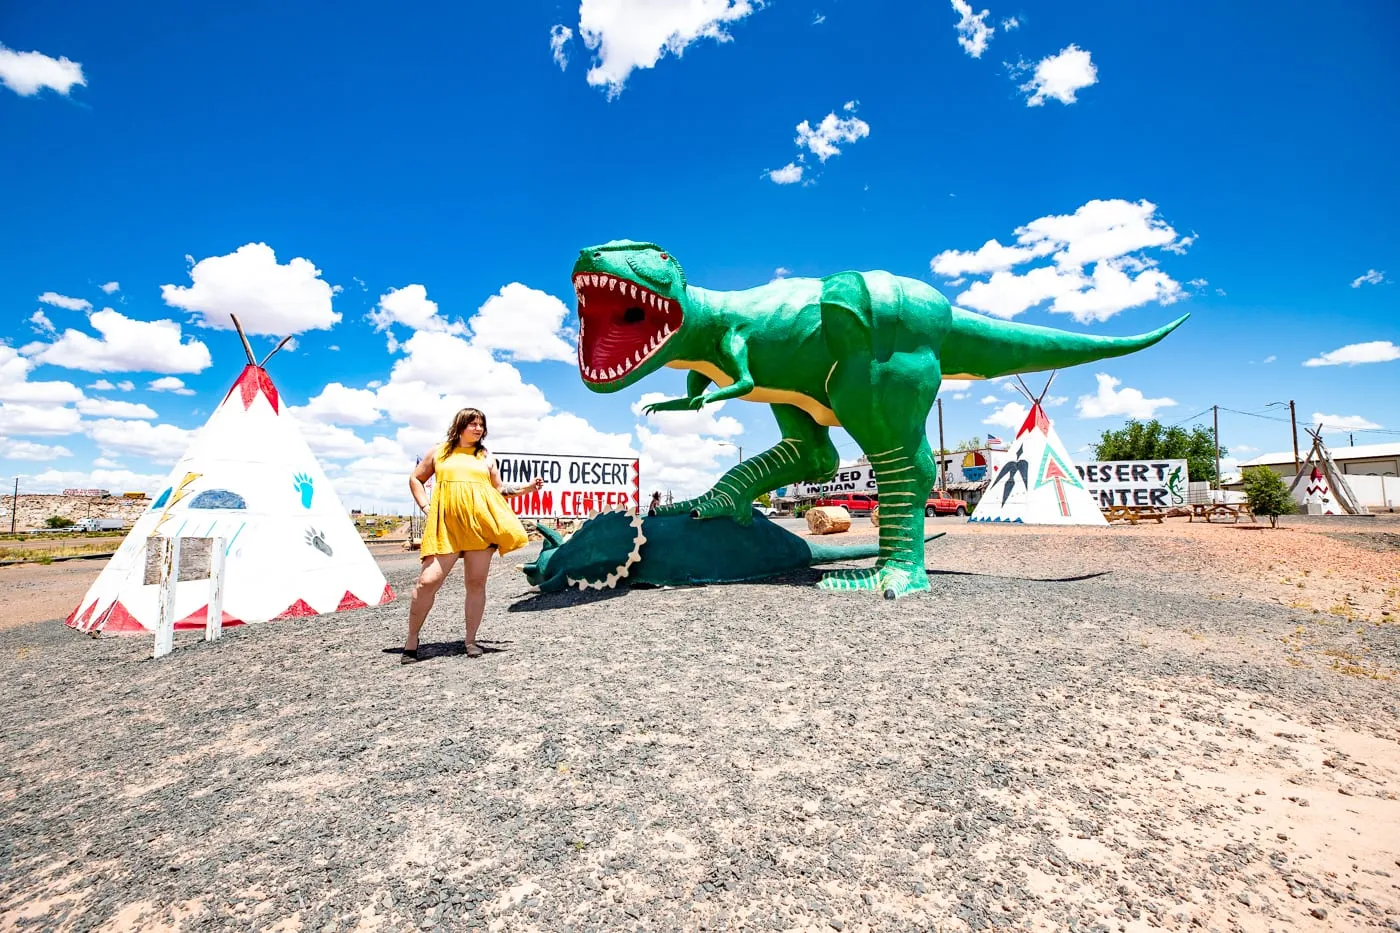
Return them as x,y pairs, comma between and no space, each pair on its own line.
708,506
893,580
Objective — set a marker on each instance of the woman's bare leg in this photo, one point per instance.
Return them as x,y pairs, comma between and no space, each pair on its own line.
435,570
477,565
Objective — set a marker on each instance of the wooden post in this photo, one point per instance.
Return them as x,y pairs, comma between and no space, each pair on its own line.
169,577
1293,416
214,617
1217,449
942,451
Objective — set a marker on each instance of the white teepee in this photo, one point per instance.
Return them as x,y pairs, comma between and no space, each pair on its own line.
1038,484
248,477
1327,491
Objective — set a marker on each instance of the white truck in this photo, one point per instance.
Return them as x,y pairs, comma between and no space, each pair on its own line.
99,524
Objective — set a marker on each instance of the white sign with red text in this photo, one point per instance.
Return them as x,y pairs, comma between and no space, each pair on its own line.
574,486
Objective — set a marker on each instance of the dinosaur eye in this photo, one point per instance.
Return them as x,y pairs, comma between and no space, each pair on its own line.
664,257
597,255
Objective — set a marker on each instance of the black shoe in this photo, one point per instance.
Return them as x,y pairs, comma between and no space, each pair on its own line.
409,657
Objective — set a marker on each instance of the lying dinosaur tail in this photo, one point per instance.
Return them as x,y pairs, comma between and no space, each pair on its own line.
981,347
823,553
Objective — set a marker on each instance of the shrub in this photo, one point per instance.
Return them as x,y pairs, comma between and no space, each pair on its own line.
58,521
1268,494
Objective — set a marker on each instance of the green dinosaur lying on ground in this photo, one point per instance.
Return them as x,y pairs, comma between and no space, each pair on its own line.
865,351
615,548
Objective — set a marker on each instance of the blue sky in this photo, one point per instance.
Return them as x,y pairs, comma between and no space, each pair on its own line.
331,173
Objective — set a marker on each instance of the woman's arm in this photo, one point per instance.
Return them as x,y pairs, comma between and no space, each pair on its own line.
420,475
509,491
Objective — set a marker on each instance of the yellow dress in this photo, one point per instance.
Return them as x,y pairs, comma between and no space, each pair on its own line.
465,511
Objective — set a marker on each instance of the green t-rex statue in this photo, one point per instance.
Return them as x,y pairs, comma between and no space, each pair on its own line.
865,351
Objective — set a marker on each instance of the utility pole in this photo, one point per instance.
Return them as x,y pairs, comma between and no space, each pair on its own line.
1216,409
14,507
1293,416
1352,438
942,451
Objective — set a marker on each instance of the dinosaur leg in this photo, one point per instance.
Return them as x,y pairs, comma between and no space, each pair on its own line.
805,454
882,389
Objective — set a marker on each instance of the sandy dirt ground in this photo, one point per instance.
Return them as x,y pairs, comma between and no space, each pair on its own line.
1186,726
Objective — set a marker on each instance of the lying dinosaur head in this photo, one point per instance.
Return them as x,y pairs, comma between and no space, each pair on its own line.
596,556
631,305
537,569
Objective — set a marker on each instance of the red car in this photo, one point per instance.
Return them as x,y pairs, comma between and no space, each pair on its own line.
854,502
944,505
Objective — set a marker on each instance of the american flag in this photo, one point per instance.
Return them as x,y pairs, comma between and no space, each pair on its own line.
993,439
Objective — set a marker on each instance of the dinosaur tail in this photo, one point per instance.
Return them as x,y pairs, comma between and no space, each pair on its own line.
823,553
980,347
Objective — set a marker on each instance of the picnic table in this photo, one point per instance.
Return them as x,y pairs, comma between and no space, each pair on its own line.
1221,510
1133,513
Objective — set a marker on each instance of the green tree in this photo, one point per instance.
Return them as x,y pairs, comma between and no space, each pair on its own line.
1268,494
1139,440
57,521
974,443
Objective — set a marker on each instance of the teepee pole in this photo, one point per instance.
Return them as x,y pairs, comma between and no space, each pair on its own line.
247,347
274,350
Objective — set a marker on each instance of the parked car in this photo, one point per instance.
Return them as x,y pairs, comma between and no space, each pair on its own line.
945,505
765,510
856,503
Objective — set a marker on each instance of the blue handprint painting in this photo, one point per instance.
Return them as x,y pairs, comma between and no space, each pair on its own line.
304,486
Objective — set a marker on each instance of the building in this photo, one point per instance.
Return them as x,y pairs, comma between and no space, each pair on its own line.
1365,460
1373,472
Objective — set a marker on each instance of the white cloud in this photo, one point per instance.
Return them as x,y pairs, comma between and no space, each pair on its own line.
112,287
559,38
1181,245
1244,449
1270,358
781,272
685,465
410,307
1198,283
102,385
63,301
1334,423
16,387
163,443
632,34
42,324
1011,415
1010,23
832,130
27,73
524,322
988,400
1060,76
125,345
687,423
955,385
1107,235
1127,402
113,408
1375,351
268,298
1372,277
787,175
172,384
992,256
106,464
28,450
338,404
18,419
973,31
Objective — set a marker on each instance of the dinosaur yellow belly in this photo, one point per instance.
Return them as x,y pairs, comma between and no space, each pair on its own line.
820,413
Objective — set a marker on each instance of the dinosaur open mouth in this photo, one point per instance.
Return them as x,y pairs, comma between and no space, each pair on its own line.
620,325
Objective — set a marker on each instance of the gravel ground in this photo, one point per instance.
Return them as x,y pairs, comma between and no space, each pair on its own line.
1072,731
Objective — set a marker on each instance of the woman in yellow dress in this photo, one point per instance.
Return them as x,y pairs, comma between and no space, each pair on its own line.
467,517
